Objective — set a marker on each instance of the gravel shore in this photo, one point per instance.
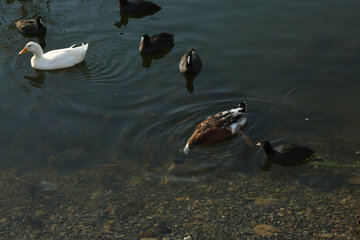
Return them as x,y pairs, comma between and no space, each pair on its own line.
114,203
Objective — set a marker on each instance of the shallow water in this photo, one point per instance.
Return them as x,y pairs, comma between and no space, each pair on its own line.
295,63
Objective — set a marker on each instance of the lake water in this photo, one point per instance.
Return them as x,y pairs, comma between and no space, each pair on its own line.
296,64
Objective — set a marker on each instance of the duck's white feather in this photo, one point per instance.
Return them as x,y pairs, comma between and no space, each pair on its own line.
235,127
60,58
57,59
232,119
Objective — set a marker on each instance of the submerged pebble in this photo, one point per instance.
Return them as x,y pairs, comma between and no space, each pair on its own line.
47,186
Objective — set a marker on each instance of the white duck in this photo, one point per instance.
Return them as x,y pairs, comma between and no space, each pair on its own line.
55,59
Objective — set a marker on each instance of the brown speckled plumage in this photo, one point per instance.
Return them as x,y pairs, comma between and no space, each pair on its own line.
206,132
218,127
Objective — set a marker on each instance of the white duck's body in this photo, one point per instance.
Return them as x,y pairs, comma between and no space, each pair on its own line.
55,59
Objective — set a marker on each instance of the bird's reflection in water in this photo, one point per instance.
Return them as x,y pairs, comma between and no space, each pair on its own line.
39,79
147,59
268,163
124,18
189,82
266,166
81,67
40,39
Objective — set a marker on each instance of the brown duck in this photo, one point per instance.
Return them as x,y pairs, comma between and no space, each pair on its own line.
218,127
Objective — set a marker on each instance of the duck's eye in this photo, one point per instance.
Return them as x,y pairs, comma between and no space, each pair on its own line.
29,46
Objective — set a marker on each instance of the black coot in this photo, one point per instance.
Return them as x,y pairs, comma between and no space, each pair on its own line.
286,155
156,43
138,7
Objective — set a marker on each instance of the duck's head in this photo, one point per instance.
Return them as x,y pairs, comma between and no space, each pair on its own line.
32,47
265,144
262,143
145,39
244,106
189,57
191,51
39,19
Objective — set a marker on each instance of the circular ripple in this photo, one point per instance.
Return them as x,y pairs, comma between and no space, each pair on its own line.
162,139
109,67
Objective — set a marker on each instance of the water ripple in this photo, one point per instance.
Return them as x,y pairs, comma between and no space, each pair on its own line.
171,130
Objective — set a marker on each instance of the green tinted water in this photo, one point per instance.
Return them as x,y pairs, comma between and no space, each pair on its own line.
295,63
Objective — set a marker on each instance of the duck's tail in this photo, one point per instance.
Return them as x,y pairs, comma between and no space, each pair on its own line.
85,46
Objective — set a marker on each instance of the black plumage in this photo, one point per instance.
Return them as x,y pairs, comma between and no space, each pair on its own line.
286,154
156,43
138,7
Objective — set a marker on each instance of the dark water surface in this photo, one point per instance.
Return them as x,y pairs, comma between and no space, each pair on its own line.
296,63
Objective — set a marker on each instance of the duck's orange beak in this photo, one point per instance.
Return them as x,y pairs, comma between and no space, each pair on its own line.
23,51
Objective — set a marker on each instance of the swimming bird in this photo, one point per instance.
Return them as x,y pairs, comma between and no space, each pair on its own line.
190,63
218,127
31,26
55,59
156,43
138,7
286,154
